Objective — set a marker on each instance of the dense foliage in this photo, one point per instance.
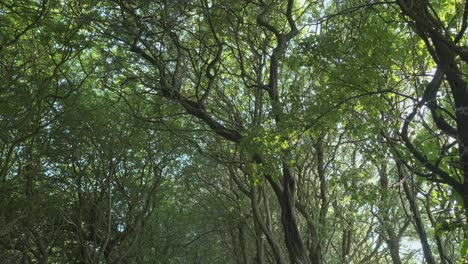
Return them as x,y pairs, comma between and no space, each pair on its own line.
228,131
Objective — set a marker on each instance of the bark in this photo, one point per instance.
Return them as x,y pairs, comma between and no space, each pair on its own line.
417,221
242,244
294,243
260,247
346,240
276,248
444,259
317,233
393,246
392,239
238,244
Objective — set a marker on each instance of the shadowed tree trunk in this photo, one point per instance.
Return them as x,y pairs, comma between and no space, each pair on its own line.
417,221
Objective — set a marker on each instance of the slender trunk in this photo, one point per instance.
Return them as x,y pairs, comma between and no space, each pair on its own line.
346,240
465,226
315,244
314,237
242,244
393,246
266,206
260,247
316,248
285,193
392,239
294,243
417,221
444,259
277,252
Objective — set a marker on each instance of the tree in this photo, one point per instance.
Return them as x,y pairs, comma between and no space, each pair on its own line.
233,131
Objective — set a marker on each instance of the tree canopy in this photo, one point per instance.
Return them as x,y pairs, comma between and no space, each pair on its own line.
234,131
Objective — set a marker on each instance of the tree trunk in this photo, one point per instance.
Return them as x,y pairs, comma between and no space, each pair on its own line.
417,222
297,250
242,244
260,247
444,259
277,252
392,239
316,248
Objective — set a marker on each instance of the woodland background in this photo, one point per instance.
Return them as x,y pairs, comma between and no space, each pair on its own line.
224,131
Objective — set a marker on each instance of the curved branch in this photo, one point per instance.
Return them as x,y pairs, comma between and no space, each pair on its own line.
419,156
429,96
461,33
191,107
